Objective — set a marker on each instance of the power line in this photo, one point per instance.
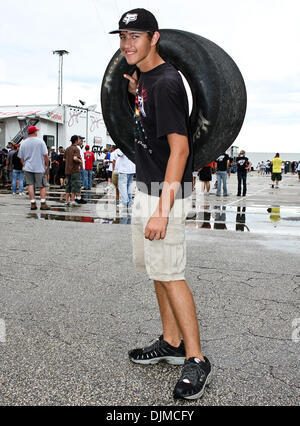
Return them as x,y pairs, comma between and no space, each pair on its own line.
102,25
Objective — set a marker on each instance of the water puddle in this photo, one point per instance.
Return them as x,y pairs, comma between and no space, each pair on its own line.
125,220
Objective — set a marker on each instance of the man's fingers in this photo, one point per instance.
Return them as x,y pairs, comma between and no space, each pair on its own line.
130,78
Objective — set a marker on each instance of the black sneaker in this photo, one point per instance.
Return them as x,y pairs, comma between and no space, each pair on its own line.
159,351
81,201
196,374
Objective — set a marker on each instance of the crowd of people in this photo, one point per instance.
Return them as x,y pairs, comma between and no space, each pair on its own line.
71,169
119,171
222,167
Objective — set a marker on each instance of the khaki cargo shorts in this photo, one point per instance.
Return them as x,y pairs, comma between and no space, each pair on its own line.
163,260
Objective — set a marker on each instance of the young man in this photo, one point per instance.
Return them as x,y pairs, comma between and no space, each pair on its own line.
164,181
276,170
243,165
223,162
33,153
89,160
126,172
73,164
18,174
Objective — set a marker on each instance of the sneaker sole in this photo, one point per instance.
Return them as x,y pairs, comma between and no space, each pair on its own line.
200,394
168,359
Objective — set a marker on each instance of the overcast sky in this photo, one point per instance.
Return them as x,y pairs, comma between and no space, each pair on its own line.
262,36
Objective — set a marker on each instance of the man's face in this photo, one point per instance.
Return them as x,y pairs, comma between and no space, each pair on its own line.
135,46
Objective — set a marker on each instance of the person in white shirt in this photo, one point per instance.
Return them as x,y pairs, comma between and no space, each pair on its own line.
126,171
114,169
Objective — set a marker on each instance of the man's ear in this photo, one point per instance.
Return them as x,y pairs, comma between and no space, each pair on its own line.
155,38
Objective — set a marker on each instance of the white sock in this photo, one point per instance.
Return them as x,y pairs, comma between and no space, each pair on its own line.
78,198
33,201
43,201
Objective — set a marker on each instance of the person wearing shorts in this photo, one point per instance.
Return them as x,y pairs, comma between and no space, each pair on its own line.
33,153
163,158
73,178
276,171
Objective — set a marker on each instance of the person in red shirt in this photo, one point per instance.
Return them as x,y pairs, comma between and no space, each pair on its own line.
89,159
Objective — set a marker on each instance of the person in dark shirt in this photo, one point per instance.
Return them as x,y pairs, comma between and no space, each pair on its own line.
61,173
17,172
223,162
163,157
243,165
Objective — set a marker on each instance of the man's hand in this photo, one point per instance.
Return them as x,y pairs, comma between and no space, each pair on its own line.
156,228
133,82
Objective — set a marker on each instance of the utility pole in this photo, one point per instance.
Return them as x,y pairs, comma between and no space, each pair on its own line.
61,54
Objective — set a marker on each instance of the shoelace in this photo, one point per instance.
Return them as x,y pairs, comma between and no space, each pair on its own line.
154,346
191,372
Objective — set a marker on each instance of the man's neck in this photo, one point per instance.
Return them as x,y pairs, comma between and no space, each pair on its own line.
151,62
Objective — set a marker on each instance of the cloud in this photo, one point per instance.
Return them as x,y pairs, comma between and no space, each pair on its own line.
261,36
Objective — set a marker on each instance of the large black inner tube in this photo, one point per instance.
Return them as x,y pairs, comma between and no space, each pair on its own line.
217,86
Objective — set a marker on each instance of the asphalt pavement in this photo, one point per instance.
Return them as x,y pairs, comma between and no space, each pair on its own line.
71,304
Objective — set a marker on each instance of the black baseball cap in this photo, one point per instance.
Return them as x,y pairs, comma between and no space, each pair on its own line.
137,20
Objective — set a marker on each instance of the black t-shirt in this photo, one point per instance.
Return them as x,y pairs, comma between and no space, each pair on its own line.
222,162
161,107
242,164
16,162
62,163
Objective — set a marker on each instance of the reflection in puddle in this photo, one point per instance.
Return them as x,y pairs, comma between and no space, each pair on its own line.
207,216
274,214
125,220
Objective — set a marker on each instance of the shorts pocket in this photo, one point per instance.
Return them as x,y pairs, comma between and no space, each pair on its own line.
166,259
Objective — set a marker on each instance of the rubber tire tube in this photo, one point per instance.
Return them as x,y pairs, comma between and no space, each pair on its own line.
217,87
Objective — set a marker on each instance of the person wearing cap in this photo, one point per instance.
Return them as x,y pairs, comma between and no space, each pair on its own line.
163,158
9,165
89,159
34,157
73,164
53,165
78,198
17,174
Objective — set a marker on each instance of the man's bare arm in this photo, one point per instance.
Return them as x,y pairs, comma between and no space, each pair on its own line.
46,158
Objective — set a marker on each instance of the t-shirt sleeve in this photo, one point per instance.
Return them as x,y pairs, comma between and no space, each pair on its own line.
170,107
44,149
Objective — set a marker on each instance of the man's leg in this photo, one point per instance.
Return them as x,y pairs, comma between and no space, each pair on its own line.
171,331
183,307
218,183
129,188
14,181
31,192
224,177
122,186
43,193
244,184
239,184
90,179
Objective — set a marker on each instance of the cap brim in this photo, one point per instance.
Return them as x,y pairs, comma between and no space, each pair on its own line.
132,30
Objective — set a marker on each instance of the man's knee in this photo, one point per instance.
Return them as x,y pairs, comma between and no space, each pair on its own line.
169,284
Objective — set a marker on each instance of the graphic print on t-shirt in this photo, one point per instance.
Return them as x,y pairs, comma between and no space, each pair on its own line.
139,131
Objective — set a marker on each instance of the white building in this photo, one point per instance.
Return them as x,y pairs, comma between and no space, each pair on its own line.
57,123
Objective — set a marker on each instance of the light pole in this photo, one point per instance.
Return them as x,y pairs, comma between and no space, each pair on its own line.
61,54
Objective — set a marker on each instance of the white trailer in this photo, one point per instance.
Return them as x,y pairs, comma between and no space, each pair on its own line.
57,123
